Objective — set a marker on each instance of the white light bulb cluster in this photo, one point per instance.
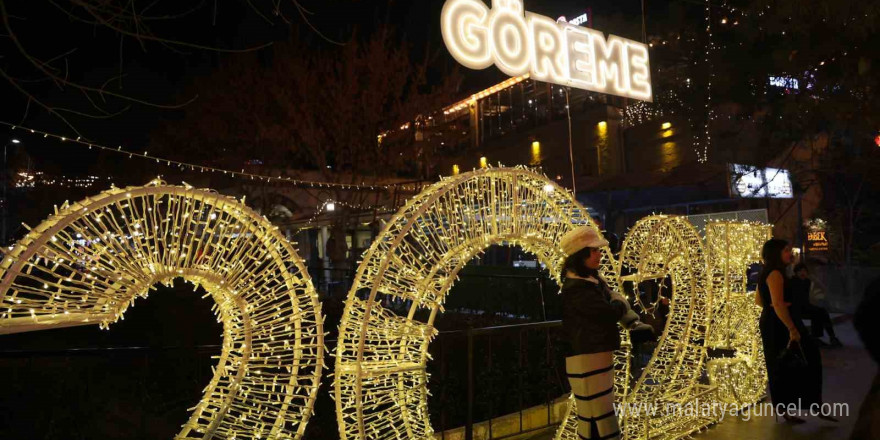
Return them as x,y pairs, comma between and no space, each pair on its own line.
91,260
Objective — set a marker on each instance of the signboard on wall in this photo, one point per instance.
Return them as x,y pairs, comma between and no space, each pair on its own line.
817,241
520,43
817,236
748,181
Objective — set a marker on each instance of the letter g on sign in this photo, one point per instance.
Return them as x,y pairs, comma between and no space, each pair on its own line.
463,25
510,37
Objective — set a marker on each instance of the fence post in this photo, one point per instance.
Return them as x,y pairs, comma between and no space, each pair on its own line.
492,391
519,374
540,279
443,388
549,378
469,428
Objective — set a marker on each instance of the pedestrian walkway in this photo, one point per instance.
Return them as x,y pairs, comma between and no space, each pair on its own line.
848,372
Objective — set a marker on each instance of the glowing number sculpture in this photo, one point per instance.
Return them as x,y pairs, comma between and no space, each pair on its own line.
710,307
380,378
90,261
658,247
733,246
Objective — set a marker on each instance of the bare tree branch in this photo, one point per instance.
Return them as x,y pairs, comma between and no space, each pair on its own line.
126,19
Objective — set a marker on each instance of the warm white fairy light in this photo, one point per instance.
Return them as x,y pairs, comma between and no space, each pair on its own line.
381,382
90,261
732,247
709,308
665,104
380,379
705,139
325,207
226,172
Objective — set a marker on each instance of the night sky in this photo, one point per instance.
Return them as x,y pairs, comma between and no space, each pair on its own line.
160,73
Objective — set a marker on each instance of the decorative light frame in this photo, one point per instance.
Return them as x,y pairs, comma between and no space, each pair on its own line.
91,260
732,247
380,379
710,307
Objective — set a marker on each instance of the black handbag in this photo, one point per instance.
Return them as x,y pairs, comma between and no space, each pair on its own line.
792,357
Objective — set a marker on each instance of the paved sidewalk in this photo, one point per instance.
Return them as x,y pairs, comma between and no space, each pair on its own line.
848,373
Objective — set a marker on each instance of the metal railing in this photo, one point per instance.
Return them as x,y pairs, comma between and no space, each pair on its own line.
476,374
486,372
535,367
753,215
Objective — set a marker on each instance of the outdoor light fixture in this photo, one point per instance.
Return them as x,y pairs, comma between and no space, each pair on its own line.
483,162
382,355
602,125
273,343
16,141
267,374
666,125
455,170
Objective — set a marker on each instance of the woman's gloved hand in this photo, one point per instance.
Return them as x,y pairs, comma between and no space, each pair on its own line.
616,296
638,331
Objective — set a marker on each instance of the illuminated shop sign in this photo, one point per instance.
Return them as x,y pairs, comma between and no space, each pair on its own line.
817,241
520,43
580,20
753,182
785,82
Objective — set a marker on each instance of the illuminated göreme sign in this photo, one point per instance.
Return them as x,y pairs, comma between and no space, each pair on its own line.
521,42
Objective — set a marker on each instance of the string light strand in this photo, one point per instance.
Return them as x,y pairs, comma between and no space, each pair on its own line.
229,173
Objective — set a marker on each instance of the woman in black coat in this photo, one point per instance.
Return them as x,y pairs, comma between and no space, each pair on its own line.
781,326
591,311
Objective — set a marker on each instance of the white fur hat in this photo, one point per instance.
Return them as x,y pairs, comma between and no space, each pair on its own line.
582,237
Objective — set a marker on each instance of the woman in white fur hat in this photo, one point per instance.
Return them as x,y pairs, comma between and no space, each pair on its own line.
591,311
